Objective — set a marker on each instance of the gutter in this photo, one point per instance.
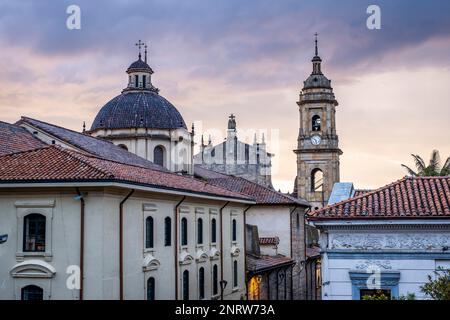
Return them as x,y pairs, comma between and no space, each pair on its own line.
221,247
121,242
177,212
82,205
291,249
245,250
120,184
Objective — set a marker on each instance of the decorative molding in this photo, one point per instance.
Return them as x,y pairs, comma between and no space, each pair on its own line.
185,258
214,254
365,280
149,207
184,209
199,210
370,264
213,211
201,256
399,241
386,255
33,269
235,251
150,263
35,204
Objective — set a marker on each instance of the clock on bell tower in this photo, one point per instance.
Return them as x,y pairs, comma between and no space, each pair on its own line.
318,150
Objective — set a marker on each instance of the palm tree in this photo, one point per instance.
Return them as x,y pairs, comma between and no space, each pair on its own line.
433,168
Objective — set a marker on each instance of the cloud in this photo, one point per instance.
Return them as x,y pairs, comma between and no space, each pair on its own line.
212,58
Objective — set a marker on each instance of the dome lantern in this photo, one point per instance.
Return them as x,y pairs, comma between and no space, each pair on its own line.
140,73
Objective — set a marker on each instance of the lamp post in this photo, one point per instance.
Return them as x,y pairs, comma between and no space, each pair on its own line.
223,285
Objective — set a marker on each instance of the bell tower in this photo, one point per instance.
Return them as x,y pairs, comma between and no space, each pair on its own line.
318,149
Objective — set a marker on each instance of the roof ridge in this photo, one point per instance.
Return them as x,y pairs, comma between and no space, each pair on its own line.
55,125
256,184
25,151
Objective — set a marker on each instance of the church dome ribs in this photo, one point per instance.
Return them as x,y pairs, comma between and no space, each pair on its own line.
143,109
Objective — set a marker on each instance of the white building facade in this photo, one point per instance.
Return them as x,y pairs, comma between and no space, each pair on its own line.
387,241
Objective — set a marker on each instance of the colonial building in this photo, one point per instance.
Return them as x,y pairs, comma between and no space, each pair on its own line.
318,149
143,122
234,157
386,241
275,239
86,219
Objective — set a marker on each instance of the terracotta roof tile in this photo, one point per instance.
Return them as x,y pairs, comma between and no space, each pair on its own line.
261,194
15,139
54,163
410,197
95,146
265,263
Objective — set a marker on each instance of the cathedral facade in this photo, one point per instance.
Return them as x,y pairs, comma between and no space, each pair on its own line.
318,144
237,158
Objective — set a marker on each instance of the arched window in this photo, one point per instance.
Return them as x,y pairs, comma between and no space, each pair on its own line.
184,232
186,285
34,233
158,155
213,231
32,292
144,80
167,231
200,231
316,123
235,274
234,233
151,288
123,146
149,232
215,280
136,81
201,283
316,180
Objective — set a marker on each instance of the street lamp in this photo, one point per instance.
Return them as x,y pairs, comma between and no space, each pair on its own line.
3,238
223,285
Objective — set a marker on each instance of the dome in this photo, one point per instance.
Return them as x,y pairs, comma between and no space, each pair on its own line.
317,81
138,109
139,65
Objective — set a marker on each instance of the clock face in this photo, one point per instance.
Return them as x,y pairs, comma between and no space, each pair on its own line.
315,140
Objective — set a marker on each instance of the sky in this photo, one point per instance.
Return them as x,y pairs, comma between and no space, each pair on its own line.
249,58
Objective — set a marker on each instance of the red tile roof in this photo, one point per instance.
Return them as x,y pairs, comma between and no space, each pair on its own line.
261,194
312,252
265,263
359,192
54,163
269,241
410,197
15,139
92,145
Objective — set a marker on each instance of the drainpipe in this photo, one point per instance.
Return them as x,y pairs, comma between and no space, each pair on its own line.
245,250
177,212
80,196
121,242
221,249
291,249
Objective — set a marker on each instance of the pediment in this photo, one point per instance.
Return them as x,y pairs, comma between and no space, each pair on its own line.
33,269
185,258
235,251
201,255
150,263
214,254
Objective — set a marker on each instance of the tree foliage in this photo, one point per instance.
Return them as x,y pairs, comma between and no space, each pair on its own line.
439,288
432,169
